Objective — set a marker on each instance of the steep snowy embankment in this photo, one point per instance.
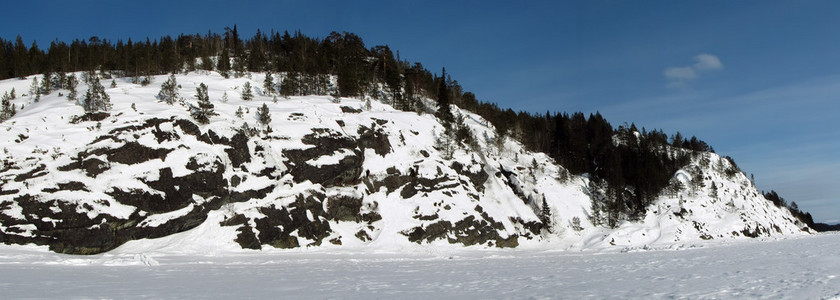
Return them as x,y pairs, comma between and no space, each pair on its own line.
329,173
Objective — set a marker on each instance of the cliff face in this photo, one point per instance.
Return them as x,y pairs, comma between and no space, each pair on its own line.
326,173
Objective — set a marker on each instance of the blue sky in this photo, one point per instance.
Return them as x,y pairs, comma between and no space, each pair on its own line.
758,80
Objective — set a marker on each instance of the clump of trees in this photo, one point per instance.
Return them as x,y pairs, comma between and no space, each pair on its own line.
804,217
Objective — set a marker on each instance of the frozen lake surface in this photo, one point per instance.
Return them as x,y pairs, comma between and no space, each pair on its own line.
797,268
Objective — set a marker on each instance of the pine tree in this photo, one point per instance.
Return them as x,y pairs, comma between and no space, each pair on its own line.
545,214
576,224
240,113
264,115
268,83
246,91
12,94
70,83
713,191
46,86
224,64
444,113
6,108
34,89
290,85
224,97
169,90
95,98
113,83
204,110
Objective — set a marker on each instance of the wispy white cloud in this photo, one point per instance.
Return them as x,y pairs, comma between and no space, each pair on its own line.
679,77
680,73
707,61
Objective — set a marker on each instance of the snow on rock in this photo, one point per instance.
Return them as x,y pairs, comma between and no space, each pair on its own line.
146,176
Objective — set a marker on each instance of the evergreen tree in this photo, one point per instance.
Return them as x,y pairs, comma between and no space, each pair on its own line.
95,98
444,112
113,83
576,224
545,214
204,110
264,115
246,91
713,191
46,85
224,97
70,83
169,90
35,89
7,110
268,83
223,65
206,63
290,85
240,113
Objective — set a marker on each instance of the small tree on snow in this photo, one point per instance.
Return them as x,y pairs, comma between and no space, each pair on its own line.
169,90
204,110
95,98
268,83
46,87
35,89
264,115
7,109
71,82
545,215
246,91
576,224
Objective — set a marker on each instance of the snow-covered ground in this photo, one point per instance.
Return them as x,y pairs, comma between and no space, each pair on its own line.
795,268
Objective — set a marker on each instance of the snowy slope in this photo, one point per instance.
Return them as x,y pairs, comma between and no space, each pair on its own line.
328,174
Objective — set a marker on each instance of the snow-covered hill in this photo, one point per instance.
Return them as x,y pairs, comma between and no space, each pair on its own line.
329,173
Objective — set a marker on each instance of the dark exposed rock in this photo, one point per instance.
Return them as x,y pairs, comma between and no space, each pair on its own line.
132,153
237,219
188,127
276,227
68,186
425,185
347,109
468,231
363,236
477,178
93,117
92,166
238,152
344,208
374,139
38,171
345,172
247,239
